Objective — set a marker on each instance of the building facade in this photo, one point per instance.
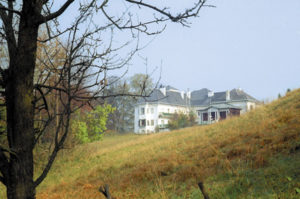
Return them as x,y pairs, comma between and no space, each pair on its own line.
152,114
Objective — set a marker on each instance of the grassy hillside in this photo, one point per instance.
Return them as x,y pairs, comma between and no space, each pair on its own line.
254,156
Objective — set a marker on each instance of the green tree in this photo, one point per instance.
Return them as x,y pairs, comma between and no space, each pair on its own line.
80,131
141,83
89,126
122,119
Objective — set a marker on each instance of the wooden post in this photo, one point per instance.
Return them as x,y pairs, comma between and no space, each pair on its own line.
202,189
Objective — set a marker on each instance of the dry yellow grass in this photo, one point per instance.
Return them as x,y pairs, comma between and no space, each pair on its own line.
165,164
169,165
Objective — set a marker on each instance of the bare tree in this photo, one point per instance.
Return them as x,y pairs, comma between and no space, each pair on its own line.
77,79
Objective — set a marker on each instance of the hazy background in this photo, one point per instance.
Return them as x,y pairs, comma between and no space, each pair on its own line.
251,44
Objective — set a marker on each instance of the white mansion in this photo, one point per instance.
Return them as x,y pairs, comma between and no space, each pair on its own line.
153,113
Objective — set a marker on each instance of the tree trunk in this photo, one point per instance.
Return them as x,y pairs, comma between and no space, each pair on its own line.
20,113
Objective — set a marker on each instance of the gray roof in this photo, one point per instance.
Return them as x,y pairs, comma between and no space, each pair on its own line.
198,97
202,99
238,94
219,106
172,97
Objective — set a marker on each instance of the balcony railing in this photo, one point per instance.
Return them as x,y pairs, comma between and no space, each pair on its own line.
165,115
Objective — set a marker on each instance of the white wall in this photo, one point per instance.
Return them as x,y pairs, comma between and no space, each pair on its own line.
251,106
136,119
149,116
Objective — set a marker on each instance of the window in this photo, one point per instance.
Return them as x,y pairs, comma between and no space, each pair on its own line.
148,110
213,115
148,123
142,111
152,110
205,116
222,115
142,123
152,122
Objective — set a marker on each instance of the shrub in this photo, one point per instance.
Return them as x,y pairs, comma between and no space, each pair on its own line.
181,120
90,126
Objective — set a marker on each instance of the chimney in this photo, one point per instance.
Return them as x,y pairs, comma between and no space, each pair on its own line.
182,94
163,90
188,94
227,95
210,94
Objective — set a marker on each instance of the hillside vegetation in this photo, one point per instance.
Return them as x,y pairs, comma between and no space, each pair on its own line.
256,155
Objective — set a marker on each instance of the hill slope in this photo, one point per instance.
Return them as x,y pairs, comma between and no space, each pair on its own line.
254,156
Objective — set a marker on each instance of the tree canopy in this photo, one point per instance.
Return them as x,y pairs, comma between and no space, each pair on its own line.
74,73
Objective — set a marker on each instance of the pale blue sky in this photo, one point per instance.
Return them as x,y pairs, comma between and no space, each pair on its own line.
251,44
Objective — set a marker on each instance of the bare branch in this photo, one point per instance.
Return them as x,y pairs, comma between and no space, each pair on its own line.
162,11
141,27
57,147
10,9
191,12
57,13
74,75
8,27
